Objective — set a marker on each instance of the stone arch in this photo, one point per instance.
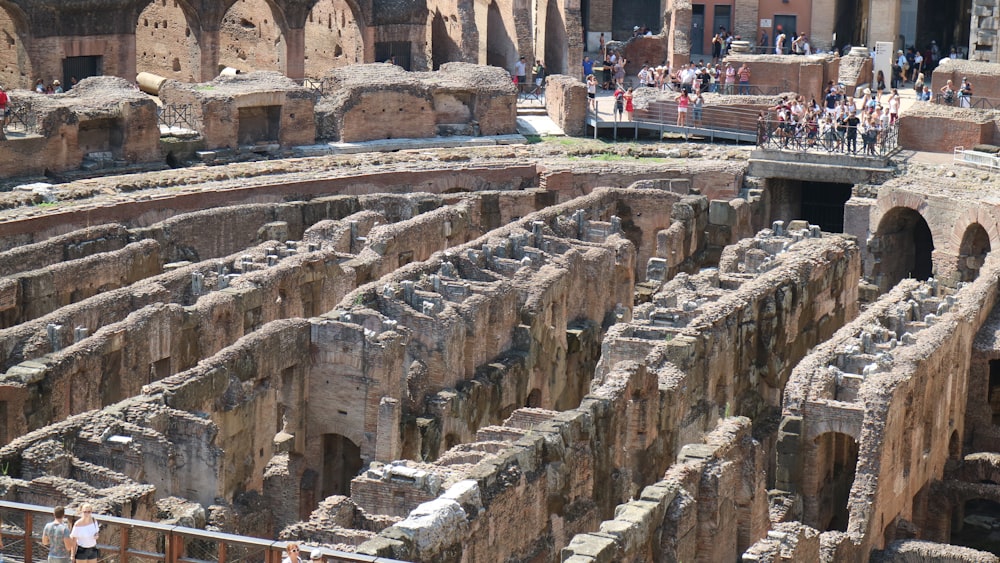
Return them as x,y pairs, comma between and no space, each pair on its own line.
556,44
252,36
954,446
16,69
444,48
500,48
972,252
334,36
167,40
903,247
341,463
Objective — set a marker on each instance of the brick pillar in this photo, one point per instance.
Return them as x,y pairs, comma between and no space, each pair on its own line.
745,21
884,20
209,45
821,25
295,53
387,445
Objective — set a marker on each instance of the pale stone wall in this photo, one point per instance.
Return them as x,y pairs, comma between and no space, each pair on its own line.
166,43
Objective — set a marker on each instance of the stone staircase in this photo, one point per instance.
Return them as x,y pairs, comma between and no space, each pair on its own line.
533,119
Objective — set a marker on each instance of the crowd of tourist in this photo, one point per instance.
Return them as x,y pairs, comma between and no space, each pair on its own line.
65,542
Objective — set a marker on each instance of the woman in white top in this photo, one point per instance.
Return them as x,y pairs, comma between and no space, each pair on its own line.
84,536
291,553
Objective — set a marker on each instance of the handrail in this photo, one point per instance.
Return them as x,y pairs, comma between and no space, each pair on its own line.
122,538
789,136
977,102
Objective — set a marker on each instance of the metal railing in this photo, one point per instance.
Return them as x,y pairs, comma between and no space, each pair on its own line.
737,89
318,85
973,102
176,115
122,540
22,118
976,159
806,137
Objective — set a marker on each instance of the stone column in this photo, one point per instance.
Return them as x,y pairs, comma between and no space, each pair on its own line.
824,14
884,22
295,53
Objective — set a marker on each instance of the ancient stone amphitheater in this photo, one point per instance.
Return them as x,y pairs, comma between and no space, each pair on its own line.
563,351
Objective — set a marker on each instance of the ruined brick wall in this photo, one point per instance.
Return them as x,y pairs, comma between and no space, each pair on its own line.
17,69
908,428
709,506
714,181
251,38
256,108
930,128
567,104
34,293
805,75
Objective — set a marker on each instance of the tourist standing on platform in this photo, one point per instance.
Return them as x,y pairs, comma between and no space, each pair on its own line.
588,67
629,107
55,536
619,102
965,93
682,108
699,103
84,536
730,79
744,76
520,73
592,91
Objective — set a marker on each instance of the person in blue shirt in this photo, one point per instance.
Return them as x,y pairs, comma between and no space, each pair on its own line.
588,66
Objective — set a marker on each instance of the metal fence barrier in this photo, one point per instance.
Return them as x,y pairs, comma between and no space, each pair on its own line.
806,137
123,540
176,115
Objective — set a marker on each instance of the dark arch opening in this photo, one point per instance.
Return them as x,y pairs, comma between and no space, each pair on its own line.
954,446
823,204
841,454
974,526
972,252
626,15
534,399
441,43
903,246
555,40
944,22
341,462
500,49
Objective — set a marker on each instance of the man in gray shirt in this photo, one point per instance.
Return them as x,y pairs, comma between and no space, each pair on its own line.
56,537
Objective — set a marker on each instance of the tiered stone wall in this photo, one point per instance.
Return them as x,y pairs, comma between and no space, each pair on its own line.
895,381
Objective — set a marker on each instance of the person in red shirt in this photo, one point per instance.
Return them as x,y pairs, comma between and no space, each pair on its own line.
4,111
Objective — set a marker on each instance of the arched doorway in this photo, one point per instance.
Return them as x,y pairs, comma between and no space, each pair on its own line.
252,38
443,47
341,463
333,37
838,453
976,524
500,49
972,252
555,40
15,66
166,41
902,247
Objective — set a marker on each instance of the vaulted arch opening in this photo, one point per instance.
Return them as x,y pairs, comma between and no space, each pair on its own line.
15,66
973,526
341,463
252,37
166,41
902,247
556,44
500,49
444,49
333,37
972,252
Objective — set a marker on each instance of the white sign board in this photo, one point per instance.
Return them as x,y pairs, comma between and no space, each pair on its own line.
884,57
764,22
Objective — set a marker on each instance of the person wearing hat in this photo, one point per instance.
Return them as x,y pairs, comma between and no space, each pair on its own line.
57,87
316,555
